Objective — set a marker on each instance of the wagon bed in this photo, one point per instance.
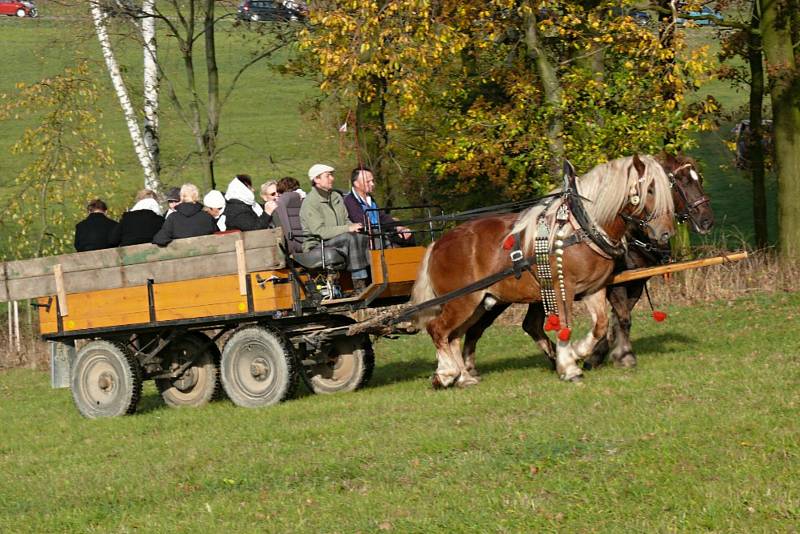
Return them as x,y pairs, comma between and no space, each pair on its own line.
144,312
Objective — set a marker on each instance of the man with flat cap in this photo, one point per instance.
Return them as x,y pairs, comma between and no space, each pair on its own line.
323,215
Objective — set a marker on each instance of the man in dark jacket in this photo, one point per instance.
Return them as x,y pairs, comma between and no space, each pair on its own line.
361,207
94,232
141,223
242,212
189,219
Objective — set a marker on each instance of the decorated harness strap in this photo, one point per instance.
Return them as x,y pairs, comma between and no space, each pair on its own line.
551,285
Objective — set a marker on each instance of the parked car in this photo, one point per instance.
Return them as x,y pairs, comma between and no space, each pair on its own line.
712,17
17,8
742,133
642,18
275,10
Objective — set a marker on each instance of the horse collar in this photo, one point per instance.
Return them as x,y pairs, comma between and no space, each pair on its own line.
585,222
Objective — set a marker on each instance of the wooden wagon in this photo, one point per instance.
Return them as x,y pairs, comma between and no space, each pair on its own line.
144,312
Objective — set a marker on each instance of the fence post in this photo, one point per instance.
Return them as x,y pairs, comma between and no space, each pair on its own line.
17,340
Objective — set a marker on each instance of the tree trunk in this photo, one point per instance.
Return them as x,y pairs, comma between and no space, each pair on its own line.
782,65
372,138
151,87
99,18
552,93
756,147
213,102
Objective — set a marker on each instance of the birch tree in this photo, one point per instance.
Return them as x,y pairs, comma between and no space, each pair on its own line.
99,18
151,84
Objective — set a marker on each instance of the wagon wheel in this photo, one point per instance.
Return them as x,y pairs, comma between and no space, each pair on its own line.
106,380
197,384
347,367
258,367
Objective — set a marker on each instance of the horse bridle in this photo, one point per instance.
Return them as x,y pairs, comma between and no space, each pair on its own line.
643,223
688,207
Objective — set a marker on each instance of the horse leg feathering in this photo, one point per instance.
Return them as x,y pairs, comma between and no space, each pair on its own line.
596,304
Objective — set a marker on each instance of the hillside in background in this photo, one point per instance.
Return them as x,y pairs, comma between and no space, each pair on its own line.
265,128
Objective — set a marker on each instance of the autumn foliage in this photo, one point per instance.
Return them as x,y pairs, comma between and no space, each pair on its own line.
70,162
484,98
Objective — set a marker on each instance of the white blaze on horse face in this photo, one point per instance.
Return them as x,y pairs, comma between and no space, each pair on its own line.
694,175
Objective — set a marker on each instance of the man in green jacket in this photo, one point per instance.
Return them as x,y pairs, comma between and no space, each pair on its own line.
324,216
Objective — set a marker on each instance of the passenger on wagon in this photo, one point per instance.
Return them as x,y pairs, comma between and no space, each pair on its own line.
324,216
214,205
94,232
359,200
173,199
270,194
141,223
287,184
242,212
189,219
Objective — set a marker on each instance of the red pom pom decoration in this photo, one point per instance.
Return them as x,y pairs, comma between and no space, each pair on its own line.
552,323
508,244
564,334
659,316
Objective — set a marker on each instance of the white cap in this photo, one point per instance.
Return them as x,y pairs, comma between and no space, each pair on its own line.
317,169
214,199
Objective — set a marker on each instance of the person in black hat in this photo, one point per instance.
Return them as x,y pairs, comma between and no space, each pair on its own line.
94,232
173,199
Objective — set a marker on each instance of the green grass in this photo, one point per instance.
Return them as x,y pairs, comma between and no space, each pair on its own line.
702,436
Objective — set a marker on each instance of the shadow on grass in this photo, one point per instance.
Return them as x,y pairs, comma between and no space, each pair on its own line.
423,368
663,344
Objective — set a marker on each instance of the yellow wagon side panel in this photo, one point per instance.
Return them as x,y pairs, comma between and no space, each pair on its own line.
401,264
48,320
272,296
98,309
204,297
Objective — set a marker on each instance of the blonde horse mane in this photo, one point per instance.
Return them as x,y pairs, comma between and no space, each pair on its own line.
607,189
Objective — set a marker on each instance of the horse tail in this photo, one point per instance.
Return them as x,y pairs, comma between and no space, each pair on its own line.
423,291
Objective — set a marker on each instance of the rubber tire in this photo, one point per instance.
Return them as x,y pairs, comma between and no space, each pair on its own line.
269,349
205,371
355,362
33,13
115,362
21,13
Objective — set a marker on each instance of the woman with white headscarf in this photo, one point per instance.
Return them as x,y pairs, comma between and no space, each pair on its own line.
242,212
214,205
141,223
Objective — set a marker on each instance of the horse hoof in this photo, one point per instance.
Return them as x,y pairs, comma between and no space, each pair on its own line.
577,380
466,382
436,382
626,362
474,374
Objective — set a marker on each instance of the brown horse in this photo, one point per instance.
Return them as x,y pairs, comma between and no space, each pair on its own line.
692,205
632,188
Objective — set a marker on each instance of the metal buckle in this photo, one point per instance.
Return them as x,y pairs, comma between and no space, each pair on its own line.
516,255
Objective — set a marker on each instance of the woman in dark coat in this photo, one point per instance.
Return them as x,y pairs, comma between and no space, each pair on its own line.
141,223
189,219
242,212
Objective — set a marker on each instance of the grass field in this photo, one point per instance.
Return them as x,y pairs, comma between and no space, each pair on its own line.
702,436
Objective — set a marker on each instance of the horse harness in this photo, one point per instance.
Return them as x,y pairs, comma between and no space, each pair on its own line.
552,237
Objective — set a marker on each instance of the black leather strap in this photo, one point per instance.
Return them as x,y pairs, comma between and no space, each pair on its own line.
585,222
